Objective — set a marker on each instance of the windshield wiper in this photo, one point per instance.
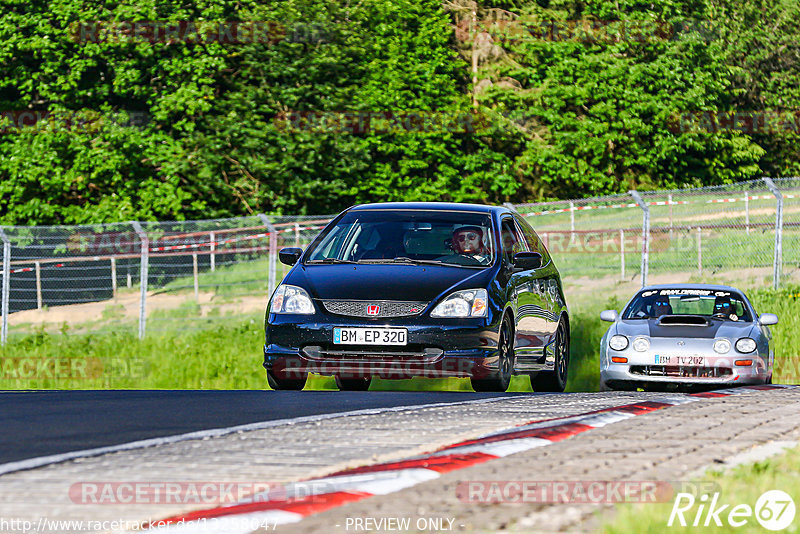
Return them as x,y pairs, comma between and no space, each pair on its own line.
402,259
331,260
405,259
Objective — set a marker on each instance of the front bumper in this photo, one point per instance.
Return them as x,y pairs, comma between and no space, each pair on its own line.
436,348
715,371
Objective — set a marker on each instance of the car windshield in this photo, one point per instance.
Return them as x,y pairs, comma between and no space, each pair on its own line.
723,305
412,236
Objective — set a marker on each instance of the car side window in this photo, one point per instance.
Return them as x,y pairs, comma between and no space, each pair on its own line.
512,241
534,243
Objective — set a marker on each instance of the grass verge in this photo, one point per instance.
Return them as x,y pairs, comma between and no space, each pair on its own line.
224,352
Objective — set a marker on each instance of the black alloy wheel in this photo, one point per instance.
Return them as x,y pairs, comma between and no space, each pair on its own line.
555,380
293,384
500,380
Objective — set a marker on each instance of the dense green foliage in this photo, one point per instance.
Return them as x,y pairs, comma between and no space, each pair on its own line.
568,117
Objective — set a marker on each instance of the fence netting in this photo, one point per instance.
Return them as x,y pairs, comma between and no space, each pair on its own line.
166,276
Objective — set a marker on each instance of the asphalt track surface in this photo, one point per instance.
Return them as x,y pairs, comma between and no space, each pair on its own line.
42,423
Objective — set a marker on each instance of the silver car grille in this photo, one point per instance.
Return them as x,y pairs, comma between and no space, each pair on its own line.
680,371
386,308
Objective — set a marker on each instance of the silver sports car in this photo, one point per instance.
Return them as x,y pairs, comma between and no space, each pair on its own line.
686,335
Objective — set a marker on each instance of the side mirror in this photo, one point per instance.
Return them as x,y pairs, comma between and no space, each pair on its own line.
609,316
527,260
766,319
289,256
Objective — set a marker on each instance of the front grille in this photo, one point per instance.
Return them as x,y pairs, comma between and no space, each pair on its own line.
681,371
387,308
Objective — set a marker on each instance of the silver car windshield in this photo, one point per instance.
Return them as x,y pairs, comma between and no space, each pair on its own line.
724,305
408,236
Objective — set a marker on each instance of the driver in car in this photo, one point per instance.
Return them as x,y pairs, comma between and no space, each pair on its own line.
723,307
468,242
661,306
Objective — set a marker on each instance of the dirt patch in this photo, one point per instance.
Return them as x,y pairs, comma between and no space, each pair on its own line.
126,307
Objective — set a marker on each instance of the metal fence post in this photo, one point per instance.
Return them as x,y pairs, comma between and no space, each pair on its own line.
196,278
6,288
213,247
747,211
38,269
778,263
669,201
645,234
699,250
621,254
145,256
273,252
571,221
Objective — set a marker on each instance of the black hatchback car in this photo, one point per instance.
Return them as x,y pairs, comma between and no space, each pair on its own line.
399,290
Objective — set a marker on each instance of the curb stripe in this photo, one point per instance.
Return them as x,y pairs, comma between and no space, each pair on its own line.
359,483
440,464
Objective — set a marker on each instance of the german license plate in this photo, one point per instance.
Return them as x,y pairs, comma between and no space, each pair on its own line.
699,361
370,336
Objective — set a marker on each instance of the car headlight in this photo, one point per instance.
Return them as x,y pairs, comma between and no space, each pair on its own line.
291,299
746,345
618,342
722,346
641,344
470,303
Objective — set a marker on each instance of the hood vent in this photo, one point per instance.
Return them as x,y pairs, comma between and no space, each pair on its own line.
683,320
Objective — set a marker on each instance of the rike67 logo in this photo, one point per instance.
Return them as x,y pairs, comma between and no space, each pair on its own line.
774,510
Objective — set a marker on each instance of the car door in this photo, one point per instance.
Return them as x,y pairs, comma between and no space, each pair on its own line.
522,293
546,288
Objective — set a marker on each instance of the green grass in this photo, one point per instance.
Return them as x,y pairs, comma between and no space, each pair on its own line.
742,485
184,350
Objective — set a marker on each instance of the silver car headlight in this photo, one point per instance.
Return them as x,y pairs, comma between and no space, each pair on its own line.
291,299
641,344
470,303
618,342
722,346
746,345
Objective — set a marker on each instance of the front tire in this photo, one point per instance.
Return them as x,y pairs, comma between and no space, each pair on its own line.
556,380
505,363
293,384
352,384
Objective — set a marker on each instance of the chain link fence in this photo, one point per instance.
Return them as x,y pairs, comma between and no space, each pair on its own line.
168,276
730,232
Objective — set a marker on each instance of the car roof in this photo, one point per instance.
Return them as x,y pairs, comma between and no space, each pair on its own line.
714,287
440,206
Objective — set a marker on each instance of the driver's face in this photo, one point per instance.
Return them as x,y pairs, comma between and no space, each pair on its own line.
468,241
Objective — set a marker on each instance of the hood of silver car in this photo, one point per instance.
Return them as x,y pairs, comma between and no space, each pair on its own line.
653,328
